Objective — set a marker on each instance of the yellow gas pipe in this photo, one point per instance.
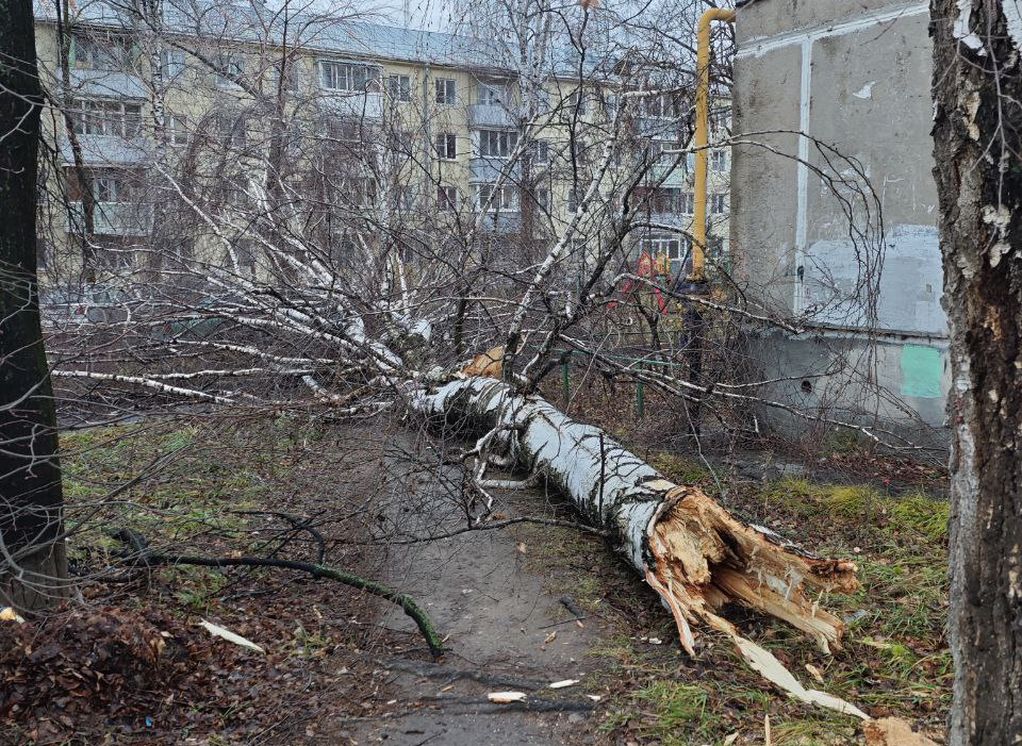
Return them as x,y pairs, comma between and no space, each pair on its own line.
702,136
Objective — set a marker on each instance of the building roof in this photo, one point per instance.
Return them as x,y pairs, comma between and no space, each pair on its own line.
253,22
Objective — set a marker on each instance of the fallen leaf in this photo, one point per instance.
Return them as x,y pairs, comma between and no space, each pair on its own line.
551,637
562,684
504,698
520,546
731,739
226,634
594,697
893,732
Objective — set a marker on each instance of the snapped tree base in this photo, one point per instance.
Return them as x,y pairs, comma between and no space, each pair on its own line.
689,549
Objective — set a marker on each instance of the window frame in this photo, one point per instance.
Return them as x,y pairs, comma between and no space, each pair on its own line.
445,146
503,142
447,198
351,82
507,202
399,87
449,95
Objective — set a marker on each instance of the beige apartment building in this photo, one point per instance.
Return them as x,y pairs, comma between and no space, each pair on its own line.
215,111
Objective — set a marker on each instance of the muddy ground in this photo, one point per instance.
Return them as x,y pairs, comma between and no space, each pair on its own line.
519,607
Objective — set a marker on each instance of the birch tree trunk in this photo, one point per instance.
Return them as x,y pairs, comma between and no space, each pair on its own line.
688,548
32,562
977,90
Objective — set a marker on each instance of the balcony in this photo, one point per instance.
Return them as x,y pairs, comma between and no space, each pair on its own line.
490,170
107,150
108,84
114,219
501,222
489,115
354,105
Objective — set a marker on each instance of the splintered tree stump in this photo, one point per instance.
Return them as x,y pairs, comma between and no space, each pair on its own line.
689,548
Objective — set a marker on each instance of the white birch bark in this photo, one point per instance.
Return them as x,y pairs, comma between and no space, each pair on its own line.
686,546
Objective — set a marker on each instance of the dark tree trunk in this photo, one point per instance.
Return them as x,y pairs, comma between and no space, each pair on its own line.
977,90
32,563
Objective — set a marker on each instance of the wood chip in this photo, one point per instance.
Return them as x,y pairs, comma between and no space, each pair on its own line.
216,629
563,684
8,614
504,698
814,672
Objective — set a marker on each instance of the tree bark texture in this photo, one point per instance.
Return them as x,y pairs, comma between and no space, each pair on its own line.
686,546
977,92
32,563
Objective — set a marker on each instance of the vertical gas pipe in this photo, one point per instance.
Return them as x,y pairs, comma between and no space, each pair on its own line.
702,136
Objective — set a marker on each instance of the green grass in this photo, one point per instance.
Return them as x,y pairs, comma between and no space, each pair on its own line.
895,658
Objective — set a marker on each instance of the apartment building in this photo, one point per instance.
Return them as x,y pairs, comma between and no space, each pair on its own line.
351,128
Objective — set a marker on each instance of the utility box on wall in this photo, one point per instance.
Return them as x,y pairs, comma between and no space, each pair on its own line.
834,207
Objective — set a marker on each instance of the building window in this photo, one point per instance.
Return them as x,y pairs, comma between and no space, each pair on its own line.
541,151
720,120
577,102
446,91
488,95
446,198
542,197
177,129
493,199
399,87
446,146
290,77
676,250
109,186
666,200
100,51
346,76
404,198
107,118
718,205
230,69
497,143
232,128
660,105
718,160
173,62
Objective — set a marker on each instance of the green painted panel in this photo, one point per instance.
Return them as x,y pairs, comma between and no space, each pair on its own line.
921,371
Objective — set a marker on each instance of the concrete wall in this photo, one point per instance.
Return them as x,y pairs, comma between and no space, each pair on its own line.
806,224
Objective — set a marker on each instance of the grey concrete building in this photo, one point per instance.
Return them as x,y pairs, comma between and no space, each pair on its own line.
834,206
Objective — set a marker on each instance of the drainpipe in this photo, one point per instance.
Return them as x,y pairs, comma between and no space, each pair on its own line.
702,136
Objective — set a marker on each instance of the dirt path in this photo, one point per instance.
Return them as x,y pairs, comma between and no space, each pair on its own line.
500,623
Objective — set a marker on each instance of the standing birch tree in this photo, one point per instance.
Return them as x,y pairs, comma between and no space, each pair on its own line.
977,90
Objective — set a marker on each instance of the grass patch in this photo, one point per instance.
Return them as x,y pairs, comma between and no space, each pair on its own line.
895,659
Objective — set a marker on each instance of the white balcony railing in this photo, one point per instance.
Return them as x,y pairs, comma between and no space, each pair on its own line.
357,105
113,219
488,115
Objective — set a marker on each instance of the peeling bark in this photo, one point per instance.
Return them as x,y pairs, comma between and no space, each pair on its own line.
691,550
977,141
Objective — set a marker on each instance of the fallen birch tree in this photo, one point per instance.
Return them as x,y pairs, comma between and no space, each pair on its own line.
687,547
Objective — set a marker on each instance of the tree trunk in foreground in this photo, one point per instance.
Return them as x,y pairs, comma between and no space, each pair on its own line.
977,90
32,563
686,546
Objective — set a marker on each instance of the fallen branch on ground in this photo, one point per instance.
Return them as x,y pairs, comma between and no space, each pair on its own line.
142,554
691,550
